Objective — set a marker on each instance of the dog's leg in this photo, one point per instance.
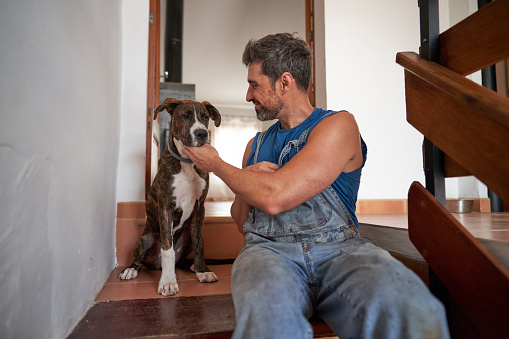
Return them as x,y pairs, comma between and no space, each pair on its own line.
199,267
144,243
168,282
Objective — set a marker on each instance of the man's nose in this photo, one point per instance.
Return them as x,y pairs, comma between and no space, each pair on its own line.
249,94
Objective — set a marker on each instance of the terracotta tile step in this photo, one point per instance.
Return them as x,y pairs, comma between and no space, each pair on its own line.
222,240
144,286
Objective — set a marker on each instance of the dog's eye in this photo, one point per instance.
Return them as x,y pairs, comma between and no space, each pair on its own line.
185,116
205,117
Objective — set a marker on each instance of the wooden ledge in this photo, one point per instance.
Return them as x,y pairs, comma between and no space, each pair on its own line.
482,99
468,122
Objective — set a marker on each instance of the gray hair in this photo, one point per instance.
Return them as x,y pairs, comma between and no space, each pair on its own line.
279,53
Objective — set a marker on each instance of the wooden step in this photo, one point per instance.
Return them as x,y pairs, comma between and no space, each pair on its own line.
474,277
209,316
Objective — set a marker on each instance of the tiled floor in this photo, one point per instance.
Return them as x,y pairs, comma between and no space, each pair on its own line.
145,285
491,226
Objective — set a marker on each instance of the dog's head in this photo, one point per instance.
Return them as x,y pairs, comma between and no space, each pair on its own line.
190,120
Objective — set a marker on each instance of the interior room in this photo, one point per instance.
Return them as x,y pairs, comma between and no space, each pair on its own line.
76,157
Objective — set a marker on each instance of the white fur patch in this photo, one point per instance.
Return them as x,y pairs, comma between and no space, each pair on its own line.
128,274
206,277
197,125
189,187
168,282
180,147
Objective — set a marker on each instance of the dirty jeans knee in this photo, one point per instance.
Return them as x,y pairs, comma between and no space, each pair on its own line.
372,295
271,298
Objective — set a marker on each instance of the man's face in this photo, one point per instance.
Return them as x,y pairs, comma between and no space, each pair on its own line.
262,94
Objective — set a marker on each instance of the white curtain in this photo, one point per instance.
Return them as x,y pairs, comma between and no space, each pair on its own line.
230,140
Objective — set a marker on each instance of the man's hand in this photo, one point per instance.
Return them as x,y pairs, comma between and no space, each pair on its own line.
205,157
240,209
263,166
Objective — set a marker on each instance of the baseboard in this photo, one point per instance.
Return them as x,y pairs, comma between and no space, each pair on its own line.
374,206
133,209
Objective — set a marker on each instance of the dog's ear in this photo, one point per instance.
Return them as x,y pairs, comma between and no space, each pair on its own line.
214,113
169,105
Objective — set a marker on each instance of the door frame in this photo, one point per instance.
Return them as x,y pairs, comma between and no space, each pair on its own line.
154,42
154,37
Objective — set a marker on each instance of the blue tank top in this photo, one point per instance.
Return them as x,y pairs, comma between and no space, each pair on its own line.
279,146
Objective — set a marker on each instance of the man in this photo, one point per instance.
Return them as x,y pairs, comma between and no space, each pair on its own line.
295,201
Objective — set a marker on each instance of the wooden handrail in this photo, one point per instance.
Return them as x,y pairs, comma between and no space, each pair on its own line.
479,41
468,122
482,99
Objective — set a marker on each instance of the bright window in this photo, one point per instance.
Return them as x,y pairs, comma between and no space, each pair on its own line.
230,140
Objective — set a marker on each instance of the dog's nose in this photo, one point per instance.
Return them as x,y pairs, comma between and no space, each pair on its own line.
201,134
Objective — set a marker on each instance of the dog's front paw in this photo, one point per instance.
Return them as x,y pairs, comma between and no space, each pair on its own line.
206,277
128,273
168,288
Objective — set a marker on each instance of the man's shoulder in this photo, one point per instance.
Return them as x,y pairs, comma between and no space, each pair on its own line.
336,119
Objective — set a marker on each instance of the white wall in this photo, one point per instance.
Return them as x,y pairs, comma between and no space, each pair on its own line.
362,39
215,34
131,158
60,87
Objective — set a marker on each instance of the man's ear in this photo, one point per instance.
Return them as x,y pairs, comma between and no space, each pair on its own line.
169,105
287,80
214,113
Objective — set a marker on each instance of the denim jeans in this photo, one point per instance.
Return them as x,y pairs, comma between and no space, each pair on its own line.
358,289
311,260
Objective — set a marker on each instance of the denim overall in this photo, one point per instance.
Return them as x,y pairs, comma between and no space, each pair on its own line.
310,260
323,218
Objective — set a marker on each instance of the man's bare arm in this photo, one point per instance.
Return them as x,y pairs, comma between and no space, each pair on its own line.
333,146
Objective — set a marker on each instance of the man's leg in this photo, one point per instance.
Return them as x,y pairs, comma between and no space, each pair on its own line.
366,293
270,293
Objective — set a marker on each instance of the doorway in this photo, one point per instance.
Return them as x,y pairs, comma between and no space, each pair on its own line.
214,34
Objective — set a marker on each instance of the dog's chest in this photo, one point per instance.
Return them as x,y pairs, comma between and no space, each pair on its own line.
188,187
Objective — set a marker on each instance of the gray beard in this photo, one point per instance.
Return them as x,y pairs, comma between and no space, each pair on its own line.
266,114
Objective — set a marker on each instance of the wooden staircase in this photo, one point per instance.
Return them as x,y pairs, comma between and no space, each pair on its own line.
470,124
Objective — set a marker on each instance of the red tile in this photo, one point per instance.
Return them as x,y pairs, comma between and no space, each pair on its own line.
129,290
222,240
144,275
221,271
128,232
134,209
195,288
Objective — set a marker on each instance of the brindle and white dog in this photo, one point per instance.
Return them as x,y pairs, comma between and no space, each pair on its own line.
175,202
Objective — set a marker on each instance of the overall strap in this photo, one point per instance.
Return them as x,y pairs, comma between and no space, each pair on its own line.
259,142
